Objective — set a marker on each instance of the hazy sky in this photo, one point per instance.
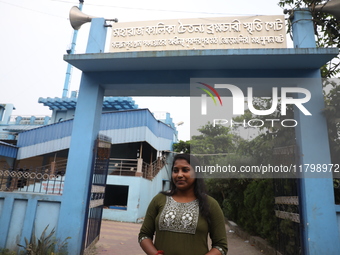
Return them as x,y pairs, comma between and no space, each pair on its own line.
35,35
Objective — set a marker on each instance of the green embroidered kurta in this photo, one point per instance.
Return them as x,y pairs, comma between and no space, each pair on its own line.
179,229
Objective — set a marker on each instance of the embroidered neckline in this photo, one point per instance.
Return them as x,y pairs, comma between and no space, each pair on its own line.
179,217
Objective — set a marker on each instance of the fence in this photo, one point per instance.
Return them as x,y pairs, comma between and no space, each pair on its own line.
47,179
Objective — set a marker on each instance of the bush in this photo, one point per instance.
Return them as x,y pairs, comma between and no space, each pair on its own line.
248,202
6,252
45,245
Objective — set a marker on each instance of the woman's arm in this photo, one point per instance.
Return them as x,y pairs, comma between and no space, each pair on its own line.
213,251
217,229
148,228
148,247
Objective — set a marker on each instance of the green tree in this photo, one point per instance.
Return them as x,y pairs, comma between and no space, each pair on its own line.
272,133
212,140
182,146
332,112
213,144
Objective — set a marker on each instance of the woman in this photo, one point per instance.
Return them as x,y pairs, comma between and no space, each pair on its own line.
182,217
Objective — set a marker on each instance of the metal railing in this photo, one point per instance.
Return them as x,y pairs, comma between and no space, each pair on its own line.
27,120
126,167
151,170
129,167
47,179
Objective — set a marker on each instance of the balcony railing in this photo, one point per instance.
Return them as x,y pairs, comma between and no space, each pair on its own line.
28,120
47,179
135,167
151,170
126,167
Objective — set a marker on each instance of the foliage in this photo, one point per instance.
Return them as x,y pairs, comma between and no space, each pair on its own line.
213,140
6,252
182,146
45,245
259,203
287,227
332,113
249,202
273,134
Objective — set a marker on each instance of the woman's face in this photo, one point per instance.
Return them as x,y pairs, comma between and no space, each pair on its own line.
183,175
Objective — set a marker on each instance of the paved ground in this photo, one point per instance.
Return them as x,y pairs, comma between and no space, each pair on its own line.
120,238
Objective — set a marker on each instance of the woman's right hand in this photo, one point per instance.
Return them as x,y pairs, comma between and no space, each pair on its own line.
148,247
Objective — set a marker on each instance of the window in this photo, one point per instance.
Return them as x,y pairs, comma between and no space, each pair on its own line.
116,197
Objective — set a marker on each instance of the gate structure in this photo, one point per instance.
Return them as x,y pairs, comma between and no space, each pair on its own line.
287,210
158,73
96,199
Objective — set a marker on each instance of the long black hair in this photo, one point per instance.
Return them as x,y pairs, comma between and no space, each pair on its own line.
199,185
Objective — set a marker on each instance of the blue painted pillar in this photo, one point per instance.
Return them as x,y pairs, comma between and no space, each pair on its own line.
303,29
319,226
86,123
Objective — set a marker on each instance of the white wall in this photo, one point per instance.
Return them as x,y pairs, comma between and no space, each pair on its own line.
141,192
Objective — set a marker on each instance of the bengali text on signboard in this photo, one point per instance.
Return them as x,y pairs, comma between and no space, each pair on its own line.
200,33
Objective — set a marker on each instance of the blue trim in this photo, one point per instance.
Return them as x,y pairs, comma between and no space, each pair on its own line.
337,208
8,150
45,133
307,58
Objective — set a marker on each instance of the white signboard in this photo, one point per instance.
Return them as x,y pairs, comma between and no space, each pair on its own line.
201,33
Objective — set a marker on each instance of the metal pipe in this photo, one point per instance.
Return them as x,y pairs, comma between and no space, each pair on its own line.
71,51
